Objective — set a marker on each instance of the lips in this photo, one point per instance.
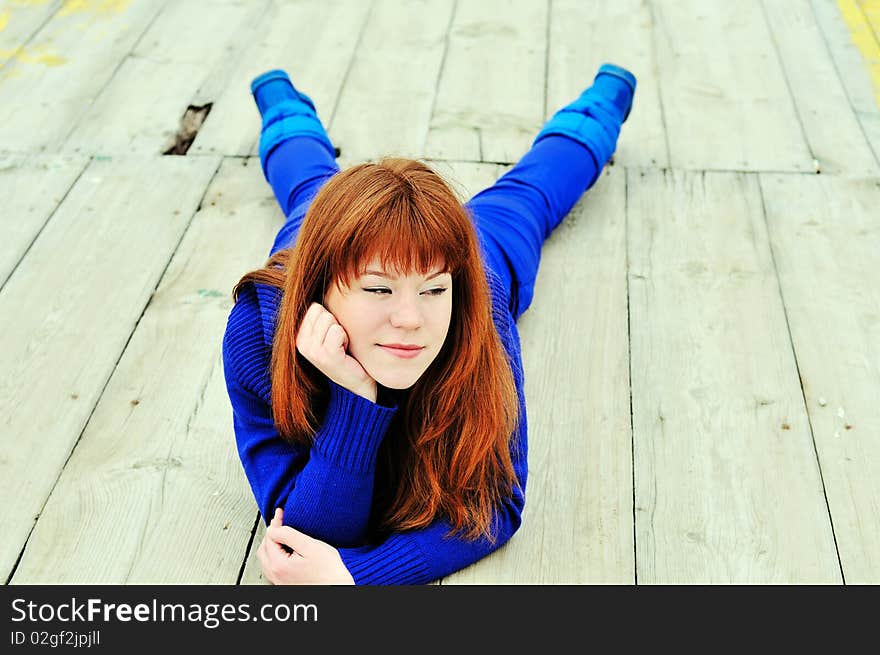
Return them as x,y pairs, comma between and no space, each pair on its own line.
403,351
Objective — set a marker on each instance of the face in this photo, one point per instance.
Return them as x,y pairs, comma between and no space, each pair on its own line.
383,309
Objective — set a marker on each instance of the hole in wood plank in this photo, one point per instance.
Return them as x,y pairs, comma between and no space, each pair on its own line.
190,124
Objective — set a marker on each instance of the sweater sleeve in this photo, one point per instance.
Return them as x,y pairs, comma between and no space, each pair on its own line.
326,491
421,556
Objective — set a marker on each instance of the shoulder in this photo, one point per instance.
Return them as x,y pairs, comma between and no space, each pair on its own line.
247,341
255,311
499,295
504,323
500,299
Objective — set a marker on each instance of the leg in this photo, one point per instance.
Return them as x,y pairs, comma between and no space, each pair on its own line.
514,216
296,154
296,169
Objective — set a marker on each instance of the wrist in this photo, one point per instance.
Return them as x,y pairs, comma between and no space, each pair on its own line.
352,430
366,391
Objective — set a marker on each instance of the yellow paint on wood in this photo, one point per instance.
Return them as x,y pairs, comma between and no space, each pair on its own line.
862,17
40,55
36,56
94,6
871,9
10,74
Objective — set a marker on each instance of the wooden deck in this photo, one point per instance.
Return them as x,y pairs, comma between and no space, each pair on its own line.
703,355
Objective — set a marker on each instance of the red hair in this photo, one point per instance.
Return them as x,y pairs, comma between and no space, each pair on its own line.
451,447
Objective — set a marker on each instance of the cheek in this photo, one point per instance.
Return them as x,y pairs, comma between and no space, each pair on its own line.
443,319
448,309
344,308
360,321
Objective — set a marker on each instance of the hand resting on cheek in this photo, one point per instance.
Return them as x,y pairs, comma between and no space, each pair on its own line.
324,342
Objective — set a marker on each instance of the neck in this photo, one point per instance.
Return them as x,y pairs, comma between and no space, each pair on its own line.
390,397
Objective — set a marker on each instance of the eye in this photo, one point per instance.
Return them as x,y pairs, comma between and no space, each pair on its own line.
381,291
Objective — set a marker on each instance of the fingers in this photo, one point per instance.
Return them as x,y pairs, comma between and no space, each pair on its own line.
283,538
277,522
312,314
317,320
322,326
309,327
336,338
323,342
301,543
278,566
316,326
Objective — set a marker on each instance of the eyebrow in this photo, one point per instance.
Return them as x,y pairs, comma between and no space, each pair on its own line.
383,274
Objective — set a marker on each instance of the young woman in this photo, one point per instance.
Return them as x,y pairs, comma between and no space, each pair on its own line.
373,364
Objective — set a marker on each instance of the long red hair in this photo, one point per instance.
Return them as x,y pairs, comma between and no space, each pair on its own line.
450,455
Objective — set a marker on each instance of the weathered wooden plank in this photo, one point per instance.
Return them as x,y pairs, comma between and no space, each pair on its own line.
313,41
253,574
834,135
160,442
69,309
856,55
87,41
385,104
584,35
728,489
490,96
467,178
18,23
872,13
31,188
826,244
725,101
577,523
140,110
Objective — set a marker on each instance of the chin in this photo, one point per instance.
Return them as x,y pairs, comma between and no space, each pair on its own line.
396,376
396,382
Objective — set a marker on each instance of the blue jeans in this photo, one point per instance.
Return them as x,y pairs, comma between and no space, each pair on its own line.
512,217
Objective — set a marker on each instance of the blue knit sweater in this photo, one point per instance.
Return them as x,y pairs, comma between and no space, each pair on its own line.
327,491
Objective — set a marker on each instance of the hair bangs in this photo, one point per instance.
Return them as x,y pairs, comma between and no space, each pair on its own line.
405,235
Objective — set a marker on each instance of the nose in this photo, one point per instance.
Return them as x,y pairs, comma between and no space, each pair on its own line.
406,314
